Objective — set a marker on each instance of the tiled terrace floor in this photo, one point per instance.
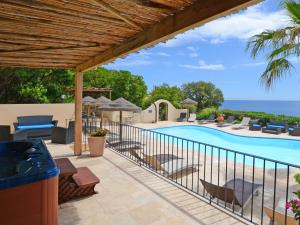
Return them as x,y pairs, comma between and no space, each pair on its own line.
131,195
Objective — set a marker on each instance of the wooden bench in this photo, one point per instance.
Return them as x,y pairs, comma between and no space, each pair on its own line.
74,182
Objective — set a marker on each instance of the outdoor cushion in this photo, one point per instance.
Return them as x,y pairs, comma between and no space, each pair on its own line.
291,128
35,126
256,125
34,120
275,126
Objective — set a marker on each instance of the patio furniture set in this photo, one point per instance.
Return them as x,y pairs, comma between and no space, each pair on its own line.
40,126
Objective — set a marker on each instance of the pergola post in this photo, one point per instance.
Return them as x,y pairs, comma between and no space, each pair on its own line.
78,112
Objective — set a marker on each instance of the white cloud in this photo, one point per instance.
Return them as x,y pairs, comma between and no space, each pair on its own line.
193,51
254,64
129,62
162,54
193,54
202,65
241,26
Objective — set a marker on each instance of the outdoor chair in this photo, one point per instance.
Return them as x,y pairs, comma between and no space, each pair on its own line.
210,119
192,117
170,165
74,182
254,125
5,134
279,217
294,131
182,117
235,191
244,123
227,122
62,135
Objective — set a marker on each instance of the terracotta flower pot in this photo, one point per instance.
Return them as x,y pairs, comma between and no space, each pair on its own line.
96,145
220,118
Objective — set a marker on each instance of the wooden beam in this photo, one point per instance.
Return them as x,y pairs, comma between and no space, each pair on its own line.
78,113
190,17
116,13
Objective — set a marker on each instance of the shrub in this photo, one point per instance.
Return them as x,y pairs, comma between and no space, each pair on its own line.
205,113
261,116
99,133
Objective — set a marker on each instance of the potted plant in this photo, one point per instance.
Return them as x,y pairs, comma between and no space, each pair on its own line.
96,142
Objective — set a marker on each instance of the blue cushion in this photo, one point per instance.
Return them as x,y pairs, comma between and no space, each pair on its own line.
291,128
35,126
275,126
256,125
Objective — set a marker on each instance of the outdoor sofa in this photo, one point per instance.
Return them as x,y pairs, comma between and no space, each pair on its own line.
235,191
254,125
6,135
40,126
294,131
275,127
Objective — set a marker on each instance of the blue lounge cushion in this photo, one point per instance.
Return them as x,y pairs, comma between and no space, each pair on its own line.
35,126
275,126
256,125
291,128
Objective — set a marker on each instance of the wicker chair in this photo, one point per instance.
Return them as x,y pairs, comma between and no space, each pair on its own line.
62,135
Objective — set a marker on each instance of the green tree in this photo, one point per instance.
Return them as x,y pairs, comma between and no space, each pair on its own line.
281,45
206,94
164,91
22,85
123,84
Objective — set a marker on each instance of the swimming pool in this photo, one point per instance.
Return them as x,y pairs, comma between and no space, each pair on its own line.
282,150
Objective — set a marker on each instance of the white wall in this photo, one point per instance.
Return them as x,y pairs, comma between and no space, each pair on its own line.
60,112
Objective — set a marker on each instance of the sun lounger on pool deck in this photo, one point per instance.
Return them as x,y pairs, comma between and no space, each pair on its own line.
294,131
210,119
169,164
235,191
244,123
227,122
192,117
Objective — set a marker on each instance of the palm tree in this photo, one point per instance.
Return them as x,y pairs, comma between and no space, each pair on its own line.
283,45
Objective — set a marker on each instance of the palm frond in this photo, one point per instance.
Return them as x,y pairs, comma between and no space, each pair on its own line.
275,70
293,9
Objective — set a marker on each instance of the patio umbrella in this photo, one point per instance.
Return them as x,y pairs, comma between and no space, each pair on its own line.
120,105
188,102
88,101
103,103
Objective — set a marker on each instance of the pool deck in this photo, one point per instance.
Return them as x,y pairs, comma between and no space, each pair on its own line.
131,195
242,132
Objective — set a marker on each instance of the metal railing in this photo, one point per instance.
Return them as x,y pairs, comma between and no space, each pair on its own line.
252,182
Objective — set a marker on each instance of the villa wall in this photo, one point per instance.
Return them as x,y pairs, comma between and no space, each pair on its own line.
148,115
60,112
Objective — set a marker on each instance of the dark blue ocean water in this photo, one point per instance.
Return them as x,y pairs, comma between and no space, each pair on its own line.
288,108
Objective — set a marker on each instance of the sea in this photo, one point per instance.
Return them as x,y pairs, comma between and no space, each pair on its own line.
288,108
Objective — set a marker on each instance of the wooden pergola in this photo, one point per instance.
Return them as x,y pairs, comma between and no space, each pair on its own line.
83,34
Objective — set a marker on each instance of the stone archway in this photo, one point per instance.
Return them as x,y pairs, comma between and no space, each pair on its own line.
163,111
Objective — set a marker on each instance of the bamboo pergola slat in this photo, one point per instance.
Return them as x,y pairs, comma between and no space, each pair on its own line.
83,34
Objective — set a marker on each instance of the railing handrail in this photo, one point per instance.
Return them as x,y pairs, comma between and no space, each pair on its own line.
213,146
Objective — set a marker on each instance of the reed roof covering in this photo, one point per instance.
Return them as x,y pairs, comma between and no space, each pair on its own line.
84,33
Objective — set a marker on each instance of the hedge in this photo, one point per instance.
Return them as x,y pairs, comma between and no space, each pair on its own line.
260,116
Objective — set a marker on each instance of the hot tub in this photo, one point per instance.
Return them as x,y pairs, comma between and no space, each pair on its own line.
28,184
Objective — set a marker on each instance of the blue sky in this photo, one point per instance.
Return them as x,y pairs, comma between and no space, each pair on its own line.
216,52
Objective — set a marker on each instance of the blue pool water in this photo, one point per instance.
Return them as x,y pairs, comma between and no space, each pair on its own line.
282,150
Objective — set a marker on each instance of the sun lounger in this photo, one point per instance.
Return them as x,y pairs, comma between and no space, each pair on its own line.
164,162
235,191
192,117
182,117
210,119
244,123
125,145
227,122
279,217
